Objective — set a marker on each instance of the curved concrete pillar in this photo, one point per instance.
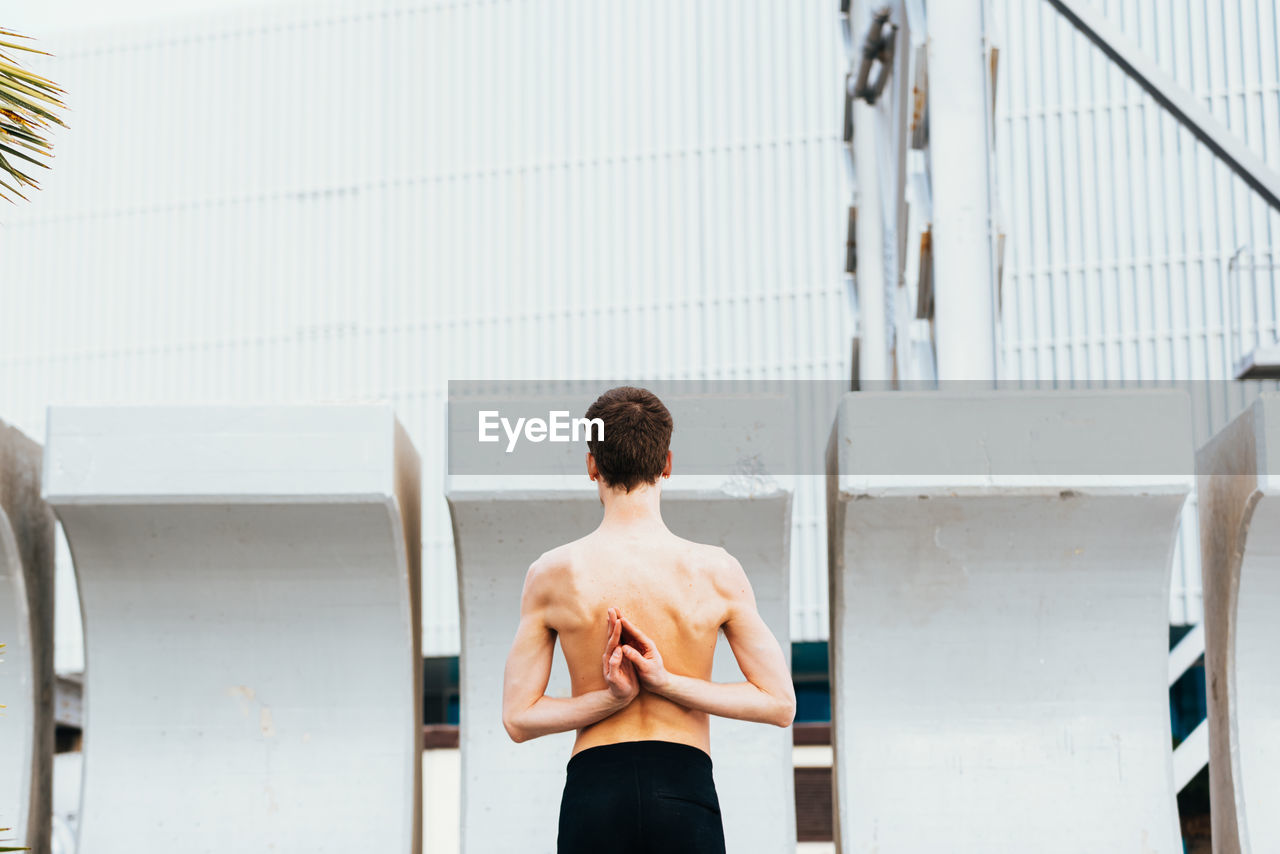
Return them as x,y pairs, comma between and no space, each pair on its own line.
249,580
26,630
511,792
1239,496
1000,583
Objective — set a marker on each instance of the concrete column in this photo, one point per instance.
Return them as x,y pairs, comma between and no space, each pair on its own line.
1000,582
511,792
1239,496
249,578
26,630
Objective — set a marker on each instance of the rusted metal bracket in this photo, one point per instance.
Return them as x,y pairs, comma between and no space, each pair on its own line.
877,47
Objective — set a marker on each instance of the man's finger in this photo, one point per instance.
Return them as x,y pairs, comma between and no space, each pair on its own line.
640,636
633,655
615,635
615,662
626,672
614,638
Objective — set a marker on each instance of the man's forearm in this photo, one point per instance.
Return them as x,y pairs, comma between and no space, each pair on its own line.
560,714
740,700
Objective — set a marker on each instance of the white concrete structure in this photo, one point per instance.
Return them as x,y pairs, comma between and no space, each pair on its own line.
1239,488
999,627
249,579
511,792
26,630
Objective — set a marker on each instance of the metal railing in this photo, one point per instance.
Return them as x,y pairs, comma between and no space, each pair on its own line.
1262,360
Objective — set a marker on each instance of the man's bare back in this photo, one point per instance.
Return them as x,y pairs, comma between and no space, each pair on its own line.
679,591
637,611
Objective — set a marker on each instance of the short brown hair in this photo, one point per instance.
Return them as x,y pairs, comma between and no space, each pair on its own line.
636,436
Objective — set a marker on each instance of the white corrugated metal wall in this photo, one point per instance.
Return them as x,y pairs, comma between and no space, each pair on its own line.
341,202
1121,227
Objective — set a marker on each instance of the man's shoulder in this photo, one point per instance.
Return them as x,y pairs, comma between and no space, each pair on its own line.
553,562
712,559
548,577
721,568
556,566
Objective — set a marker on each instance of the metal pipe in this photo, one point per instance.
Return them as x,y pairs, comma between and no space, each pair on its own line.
873,337
960,172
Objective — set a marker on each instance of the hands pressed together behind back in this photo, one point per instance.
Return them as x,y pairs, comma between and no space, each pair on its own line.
631,660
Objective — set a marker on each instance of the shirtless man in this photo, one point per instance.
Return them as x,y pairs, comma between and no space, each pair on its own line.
638,610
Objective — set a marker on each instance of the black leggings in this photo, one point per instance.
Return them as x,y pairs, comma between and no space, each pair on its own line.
640,797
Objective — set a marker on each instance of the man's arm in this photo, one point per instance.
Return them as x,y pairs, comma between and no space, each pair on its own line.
527,712
766,697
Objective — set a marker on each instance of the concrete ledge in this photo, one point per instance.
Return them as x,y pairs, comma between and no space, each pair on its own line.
26,629
511,792
249,579
1000,574
1239,496
255,453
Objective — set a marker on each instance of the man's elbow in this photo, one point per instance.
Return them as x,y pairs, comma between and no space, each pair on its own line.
515,731
785,714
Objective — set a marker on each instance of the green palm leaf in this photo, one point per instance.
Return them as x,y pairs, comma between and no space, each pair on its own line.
29,106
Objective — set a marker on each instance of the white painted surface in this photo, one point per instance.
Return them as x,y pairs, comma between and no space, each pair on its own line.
441,801
441,774
56,17
251,626
812,756
815,848
999,640
1183,657
471,229
67,624
962,189
511,792
1239,489
1121,228
1191,755
68,773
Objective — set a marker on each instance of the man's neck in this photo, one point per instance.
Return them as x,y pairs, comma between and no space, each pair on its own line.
638,509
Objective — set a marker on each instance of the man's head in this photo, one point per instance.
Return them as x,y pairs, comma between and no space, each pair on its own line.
635,448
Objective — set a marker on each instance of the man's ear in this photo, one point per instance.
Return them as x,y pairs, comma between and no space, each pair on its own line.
592,471
666,471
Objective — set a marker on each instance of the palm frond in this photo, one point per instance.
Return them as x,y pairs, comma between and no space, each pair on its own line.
29,107
7,829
